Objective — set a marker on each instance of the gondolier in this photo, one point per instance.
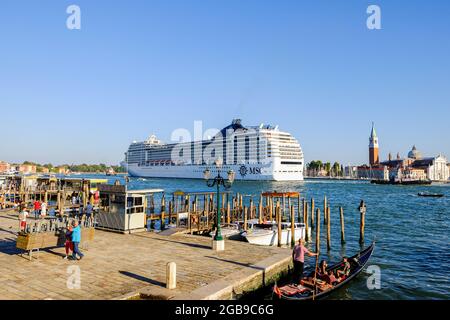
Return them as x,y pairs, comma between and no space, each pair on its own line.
311,288
298,256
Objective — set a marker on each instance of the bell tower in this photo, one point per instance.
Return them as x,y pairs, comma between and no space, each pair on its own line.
373,148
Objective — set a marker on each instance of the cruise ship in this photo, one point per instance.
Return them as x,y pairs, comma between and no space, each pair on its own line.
253,152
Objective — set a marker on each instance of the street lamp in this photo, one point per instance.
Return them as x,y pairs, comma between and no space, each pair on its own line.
218,243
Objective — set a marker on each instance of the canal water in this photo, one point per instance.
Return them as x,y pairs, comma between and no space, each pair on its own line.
411,232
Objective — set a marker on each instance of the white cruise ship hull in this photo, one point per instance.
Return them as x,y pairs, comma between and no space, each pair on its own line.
243,172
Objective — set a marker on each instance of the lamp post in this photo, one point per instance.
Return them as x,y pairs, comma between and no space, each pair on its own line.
218,242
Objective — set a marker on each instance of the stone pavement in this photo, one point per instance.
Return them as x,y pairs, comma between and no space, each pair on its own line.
117,266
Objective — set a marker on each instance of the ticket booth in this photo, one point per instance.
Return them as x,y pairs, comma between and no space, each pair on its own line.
123,210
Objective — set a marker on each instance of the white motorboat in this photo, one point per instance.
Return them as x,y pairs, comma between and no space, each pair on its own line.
234,230
269,236
228,230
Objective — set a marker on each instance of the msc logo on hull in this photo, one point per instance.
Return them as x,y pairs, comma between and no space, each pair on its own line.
243,170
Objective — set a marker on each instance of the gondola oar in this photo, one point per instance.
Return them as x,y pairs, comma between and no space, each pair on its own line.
315,276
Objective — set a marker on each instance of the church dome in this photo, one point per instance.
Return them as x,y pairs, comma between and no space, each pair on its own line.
414,153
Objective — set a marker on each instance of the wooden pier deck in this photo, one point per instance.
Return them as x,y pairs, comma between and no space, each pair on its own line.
121,266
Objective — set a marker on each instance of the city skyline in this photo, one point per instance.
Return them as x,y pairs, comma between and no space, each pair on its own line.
81,96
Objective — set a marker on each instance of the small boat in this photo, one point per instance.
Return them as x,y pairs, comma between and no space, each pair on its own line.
310,289
267,234
228,230
433,195
407,182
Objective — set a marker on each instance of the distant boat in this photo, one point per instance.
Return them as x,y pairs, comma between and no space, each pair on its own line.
111,172
402,182
432,195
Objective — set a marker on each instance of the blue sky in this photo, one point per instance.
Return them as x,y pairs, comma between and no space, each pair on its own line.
142,67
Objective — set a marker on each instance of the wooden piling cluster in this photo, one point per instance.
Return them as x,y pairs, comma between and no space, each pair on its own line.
278,207
316,219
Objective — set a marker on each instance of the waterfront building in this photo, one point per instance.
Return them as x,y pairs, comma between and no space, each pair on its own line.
27,169
5,167
378,172
351,171
436,168
63,170
254,152
414,166
45,170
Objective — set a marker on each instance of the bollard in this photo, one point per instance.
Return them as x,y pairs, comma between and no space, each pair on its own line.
171,276
342,225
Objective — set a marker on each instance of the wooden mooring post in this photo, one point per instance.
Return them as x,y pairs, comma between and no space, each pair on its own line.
312,213
328,229
362,211
306,222
260,210
245,218
292,225
278,216
325,207
341,211
318,232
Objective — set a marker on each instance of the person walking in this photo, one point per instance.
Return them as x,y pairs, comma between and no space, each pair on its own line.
298,256
76,239
68,245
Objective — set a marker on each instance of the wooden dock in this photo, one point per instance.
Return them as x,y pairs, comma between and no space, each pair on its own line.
130,266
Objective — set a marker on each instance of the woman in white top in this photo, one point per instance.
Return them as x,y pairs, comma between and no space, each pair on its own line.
43,209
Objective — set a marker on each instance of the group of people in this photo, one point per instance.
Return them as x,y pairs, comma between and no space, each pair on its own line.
329,276
333,277
73,239
39,210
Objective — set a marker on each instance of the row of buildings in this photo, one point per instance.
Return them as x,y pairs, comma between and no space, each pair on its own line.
6,168
413,167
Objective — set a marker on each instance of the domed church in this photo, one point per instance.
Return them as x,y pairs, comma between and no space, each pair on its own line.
415,154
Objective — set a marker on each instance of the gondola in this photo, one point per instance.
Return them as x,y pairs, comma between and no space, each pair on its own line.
432,195
305,291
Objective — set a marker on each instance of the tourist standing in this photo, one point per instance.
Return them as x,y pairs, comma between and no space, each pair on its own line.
76,239
37,209
23,214
298,255
43,210
89,210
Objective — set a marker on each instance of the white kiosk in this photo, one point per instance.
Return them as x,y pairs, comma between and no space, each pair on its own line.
123,210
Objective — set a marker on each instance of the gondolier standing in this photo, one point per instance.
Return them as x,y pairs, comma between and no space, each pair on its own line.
298,255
